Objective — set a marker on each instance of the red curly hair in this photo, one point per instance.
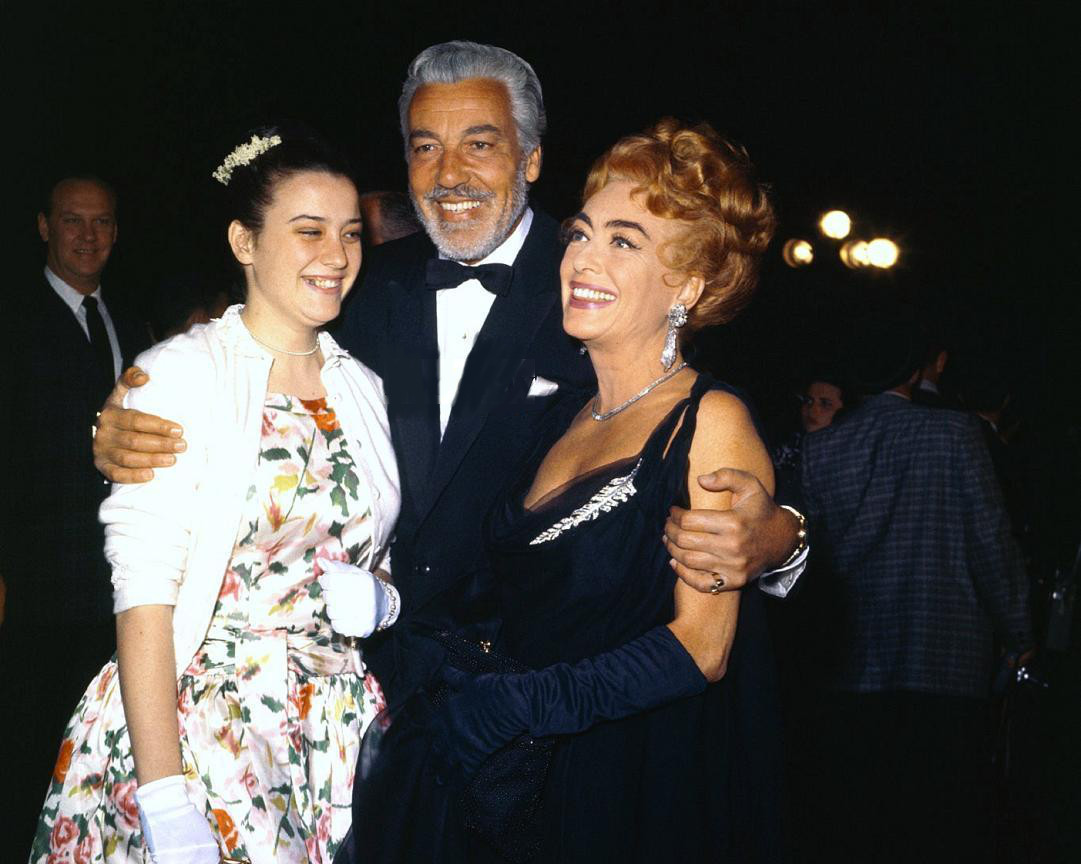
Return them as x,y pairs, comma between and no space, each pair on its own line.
694,175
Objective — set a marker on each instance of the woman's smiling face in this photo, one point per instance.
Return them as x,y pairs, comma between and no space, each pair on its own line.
616,288
307,254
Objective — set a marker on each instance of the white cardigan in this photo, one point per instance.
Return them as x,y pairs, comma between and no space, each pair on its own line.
169,541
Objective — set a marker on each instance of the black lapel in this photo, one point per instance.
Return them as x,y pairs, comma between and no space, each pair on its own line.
501,347
412,382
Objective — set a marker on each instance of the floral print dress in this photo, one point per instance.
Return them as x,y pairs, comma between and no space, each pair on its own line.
274,703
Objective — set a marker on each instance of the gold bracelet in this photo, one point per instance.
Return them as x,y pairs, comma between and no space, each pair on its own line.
801,536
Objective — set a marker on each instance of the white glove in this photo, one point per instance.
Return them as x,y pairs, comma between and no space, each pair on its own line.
358,603
173,830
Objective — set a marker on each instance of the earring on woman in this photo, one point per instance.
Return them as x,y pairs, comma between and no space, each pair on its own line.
677,317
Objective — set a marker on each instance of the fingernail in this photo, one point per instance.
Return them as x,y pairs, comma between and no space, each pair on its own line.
175,431
672,563
168,460
180,447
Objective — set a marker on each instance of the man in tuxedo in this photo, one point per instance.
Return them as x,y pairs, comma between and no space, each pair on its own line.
70,346
925,578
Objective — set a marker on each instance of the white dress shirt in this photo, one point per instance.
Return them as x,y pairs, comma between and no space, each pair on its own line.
460,314
74,300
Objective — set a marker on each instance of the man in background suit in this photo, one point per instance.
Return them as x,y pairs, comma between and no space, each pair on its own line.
70,346
913,537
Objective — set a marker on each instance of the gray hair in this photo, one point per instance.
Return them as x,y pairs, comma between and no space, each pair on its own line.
451,62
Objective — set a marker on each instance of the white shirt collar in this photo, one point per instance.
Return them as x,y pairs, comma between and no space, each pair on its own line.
68,294
508,250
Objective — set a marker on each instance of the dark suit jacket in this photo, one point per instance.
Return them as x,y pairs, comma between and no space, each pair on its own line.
438,556
59,629
53,548
908,521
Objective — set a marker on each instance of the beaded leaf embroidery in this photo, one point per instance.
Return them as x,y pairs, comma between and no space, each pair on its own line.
615,492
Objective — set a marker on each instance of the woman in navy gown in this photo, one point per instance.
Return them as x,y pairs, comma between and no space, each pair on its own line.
661,699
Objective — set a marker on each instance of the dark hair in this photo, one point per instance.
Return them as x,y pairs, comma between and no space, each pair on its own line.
887,349
49,193
250,187
849,395
396,213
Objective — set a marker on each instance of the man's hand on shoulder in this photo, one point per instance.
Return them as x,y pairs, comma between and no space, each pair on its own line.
129,444
731,546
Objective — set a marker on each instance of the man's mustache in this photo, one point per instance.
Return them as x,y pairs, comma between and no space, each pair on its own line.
439,193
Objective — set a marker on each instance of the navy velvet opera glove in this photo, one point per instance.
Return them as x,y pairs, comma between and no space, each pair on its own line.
489,711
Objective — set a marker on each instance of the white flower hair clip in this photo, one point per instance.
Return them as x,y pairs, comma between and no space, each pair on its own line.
243,155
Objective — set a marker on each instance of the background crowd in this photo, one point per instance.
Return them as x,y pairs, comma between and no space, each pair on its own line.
975,323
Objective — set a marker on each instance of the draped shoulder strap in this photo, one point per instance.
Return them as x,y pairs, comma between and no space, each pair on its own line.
671,459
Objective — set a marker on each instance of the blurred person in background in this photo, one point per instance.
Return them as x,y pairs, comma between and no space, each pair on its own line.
910,526
387,216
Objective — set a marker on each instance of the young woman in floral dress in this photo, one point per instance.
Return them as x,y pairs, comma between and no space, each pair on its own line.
228,726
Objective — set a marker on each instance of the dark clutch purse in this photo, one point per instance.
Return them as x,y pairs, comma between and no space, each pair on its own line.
502,801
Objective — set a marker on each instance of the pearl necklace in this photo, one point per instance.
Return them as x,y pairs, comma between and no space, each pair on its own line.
609,414
307,353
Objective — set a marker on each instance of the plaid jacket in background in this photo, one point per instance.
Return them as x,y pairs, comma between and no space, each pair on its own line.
908,522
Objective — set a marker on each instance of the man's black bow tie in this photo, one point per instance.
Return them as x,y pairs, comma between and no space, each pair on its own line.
450,274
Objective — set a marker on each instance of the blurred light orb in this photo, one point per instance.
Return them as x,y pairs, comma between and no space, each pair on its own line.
798,253
835,224
882,253
856,254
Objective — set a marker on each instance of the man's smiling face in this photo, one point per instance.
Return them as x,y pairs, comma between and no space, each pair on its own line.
467,175
80,231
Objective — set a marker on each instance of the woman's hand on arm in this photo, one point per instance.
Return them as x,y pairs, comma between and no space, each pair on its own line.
174,830
129,444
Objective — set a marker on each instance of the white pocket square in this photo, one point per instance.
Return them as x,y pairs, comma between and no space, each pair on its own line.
542,387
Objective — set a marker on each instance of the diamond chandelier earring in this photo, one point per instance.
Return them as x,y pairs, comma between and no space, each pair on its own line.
677,317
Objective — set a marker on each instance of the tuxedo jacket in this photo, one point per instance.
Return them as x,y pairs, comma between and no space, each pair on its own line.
909,523
448,486
53,543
